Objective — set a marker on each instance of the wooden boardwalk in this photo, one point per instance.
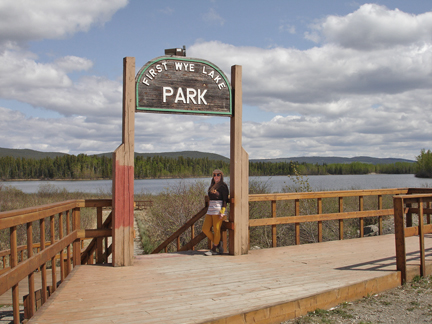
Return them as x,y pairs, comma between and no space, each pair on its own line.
265,286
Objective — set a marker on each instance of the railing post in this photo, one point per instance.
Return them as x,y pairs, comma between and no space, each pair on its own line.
43,268
341,224
209,243
421,238
297,225
380,218
53,260
68,249
428,215
409,222
361,220
398,206
274,230
76,245
31,306
320,226
99,244
13,263
62,270
192,229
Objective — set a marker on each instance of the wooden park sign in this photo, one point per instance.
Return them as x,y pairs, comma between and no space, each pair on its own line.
174,84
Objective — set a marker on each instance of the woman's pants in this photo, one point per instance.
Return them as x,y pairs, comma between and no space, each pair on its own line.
216,222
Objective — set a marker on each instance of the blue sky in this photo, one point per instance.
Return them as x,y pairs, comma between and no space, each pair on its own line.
320,78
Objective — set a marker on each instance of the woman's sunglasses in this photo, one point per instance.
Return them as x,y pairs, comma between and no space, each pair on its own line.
216,175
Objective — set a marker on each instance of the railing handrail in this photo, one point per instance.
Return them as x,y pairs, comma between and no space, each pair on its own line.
23,248
325,194
319,217
181,230
22,270
426,196
28,210
26,215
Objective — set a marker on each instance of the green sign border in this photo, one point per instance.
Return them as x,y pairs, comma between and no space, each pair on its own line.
176,58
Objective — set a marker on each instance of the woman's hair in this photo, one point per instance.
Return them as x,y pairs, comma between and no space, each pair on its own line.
213,184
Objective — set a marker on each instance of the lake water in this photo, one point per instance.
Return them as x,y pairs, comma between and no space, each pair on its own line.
275,183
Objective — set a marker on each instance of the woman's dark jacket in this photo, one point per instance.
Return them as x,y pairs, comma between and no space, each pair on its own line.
221,194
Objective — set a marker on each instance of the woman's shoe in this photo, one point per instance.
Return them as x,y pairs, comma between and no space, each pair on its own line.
220,247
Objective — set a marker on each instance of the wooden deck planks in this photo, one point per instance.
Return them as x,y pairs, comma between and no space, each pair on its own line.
192,288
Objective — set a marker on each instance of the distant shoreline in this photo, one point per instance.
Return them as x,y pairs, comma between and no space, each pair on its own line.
101,179
197,177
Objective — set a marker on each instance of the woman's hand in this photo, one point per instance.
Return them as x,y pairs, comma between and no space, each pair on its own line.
222,213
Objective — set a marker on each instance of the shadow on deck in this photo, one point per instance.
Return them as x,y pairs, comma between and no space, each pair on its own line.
265,286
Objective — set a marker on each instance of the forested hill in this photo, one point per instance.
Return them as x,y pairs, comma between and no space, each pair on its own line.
36,155
31,154
28,154
335,159
175,155
172,165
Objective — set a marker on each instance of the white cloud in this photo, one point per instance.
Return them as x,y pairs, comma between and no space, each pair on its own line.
321,75
90,103
25,20
284,27
375,27
212,16
73,63
167,11
365,91
49,86
68,135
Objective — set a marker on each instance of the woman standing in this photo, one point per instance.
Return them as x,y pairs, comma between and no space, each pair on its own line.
218,194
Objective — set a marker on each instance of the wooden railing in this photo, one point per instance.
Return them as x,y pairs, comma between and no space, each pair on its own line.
319,216
176,236
5,255
64,244
194,239
407,205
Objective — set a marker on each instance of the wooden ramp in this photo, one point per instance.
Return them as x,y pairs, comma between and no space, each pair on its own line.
265,286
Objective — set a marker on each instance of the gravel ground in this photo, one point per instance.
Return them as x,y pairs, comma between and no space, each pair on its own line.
411,303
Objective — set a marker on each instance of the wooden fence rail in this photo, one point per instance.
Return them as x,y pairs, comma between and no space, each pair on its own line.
64,244
297,218
319,217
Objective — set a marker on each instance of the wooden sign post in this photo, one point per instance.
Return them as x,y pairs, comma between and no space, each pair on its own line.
176,84
123,175
239,173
